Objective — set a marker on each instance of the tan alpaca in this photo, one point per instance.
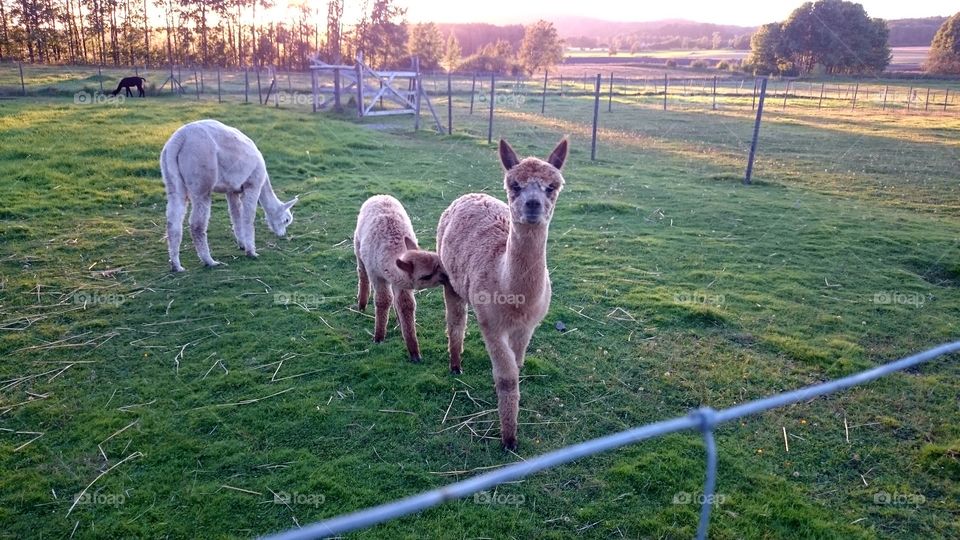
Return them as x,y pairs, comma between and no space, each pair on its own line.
389,259
495,257
206,157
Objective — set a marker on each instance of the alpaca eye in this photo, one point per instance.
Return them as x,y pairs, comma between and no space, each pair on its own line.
515,188
550,189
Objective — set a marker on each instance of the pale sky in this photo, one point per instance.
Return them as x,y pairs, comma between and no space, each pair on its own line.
737,12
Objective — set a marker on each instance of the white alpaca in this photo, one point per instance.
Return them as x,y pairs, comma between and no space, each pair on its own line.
206,157
495,257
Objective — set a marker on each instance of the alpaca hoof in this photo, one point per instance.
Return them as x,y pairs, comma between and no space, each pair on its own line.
415,358
377,340
361,308
510,444
177,268
456,370
214,264
252,254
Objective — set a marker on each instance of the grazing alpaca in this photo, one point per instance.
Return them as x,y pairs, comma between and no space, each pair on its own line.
388,257
204,157
127,83
495,256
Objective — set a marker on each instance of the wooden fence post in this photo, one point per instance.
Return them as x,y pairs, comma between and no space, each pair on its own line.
756,133
785,92
219,94
596,115
259,88
946,98
100,78
196,83
23,87
418,81
820,103
753,106
359,69
909,98
926,104
449,105
856,90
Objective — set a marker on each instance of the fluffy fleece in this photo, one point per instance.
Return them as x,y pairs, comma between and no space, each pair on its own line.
495,256
389,258
206,157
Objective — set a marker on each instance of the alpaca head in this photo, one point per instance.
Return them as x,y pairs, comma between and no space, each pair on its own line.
532,184
422,268
281,218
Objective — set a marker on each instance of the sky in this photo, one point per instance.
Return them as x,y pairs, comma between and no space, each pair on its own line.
735,12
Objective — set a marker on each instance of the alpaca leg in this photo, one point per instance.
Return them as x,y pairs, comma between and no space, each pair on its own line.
383,297
199,218
233,203
506,381
519,341
363,287
248,214
406,306
176,210
456,326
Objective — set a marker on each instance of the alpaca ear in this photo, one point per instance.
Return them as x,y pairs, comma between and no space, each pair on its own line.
410,243
507,156
288,205
559,154
405,266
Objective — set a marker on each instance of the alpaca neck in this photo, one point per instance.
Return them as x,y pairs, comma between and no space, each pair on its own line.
268,199
525,260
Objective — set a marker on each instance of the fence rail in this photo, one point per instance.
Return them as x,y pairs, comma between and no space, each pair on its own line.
704,419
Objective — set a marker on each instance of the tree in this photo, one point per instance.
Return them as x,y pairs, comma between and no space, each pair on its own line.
426,44
836,35
945,49
541,47
451,53
334,41
384,40
766,45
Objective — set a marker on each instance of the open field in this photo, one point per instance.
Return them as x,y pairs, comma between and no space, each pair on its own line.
198,396
903,58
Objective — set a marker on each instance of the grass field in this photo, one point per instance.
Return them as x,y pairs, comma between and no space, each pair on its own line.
189,400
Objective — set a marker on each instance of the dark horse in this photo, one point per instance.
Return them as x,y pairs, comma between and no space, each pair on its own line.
128,82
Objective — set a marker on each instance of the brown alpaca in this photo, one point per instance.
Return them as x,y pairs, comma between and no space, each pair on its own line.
389,259
495,256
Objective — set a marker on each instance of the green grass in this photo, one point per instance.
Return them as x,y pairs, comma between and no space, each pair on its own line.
679,287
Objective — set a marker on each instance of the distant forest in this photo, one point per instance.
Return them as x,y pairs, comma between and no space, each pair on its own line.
674,34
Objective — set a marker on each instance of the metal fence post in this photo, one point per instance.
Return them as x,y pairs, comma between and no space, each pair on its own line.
473,91
665,83
493,88
543,99
756,132
596,115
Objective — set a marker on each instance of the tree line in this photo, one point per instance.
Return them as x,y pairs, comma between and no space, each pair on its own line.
233,33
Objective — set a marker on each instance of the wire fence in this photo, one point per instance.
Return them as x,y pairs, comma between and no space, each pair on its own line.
704,420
